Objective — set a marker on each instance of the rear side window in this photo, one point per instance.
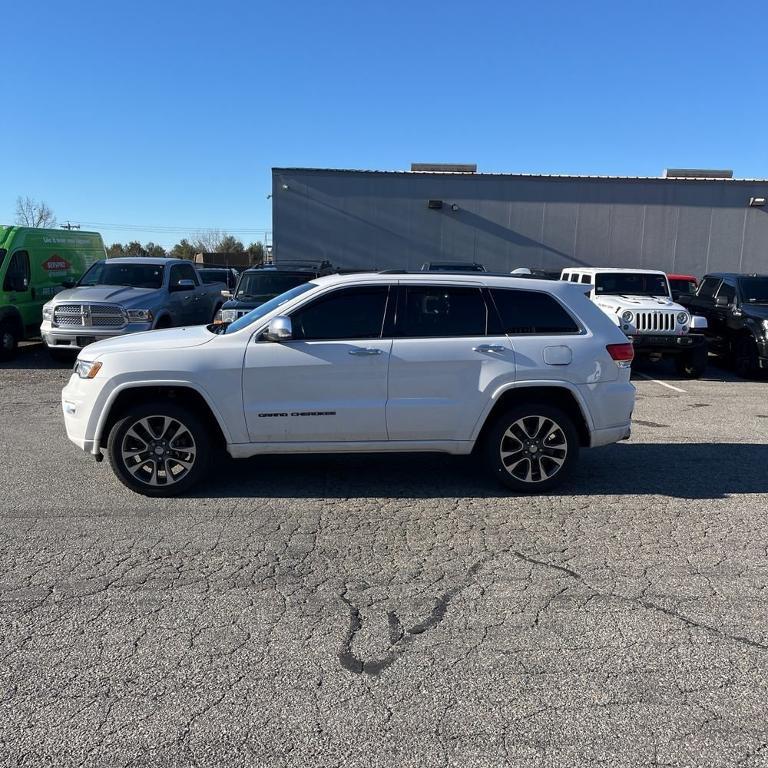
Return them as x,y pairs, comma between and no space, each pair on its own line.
352,313
586,279
708,287
531,312
442,311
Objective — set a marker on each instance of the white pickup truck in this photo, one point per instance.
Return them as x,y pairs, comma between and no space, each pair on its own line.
640,302
530,370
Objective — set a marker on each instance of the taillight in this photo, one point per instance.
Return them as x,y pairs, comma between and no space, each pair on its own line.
622,354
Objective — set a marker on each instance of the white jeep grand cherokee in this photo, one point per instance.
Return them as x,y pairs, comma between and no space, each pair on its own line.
528,370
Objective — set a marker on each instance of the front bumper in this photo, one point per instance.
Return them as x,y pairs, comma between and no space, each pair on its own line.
78,399
667,344
76,338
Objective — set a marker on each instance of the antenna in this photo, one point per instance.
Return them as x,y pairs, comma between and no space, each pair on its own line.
70,226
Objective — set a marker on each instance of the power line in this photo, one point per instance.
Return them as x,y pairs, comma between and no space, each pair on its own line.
175,229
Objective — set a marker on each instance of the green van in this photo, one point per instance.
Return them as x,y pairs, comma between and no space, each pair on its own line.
35,264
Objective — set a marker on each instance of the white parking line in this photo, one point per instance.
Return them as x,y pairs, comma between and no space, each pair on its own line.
663,383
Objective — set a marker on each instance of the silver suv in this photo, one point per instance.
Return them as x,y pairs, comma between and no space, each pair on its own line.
530,371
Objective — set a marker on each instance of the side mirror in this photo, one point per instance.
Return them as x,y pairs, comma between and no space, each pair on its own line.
68,283
699,323
279,329
227,294
721,301
184,285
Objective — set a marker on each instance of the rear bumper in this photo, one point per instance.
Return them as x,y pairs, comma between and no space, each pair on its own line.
610,435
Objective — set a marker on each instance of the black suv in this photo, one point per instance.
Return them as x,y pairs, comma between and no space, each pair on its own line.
260,284
736,309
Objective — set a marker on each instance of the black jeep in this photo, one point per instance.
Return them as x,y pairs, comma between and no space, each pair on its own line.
736,308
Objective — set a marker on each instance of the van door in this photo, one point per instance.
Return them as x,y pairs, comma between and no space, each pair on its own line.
21,294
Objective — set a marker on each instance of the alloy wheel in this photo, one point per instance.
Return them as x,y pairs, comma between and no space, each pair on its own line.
533,449
158,450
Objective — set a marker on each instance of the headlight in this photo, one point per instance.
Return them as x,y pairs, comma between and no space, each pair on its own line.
48,312
87,369
228,315
765,324
682,318
139,315
626,316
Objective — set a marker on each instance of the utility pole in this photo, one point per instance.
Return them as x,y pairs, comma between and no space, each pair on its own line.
70,226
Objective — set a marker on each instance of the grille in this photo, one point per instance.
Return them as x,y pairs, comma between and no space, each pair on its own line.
655,321
88,316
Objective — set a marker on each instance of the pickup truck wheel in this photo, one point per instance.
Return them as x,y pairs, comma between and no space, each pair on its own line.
745,357
159,449
532,448
691,365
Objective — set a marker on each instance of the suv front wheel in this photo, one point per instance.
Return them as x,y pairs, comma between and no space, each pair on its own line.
532,448
159,449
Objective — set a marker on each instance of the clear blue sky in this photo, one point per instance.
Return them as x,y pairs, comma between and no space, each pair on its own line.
170,113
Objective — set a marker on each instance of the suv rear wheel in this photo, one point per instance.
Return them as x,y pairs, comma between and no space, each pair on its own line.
692,364
532,448
159,449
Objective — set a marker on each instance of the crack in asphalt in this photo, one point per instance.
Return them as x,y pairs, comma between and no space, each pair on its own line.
399,638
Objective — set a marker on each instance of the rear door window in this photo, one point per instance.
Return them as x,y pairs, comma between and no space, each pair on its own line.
442,311
531,312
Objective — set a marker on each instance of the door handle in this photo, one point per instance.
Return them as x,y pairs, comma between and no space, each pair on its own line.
489,348
364,351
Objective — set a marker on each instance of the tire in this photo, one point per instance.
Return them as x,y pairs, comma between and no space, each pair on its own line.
691,365
745,357
9,339
177,444
516,427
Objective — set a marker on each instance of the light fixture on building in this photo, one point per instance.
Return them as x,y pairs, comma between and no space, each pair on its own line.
435,205
756,202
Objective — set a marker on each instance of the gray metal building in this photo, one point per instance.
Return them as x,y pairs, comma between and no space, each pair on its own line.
383,220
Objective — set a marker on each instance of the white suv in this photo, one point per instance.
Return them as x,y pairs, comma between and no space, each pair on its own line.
529,370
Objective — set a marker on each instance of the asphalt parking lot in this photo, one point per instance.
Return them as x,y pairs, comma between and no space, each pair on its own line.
390,611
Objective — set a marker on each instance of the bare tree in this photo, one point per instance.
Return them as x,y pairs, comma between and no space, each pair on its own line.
31,213
208,240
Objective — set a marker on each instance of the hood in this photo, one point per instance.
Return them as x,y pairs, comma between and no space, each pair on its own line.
616,303
106,294
758,311
244,304
151,341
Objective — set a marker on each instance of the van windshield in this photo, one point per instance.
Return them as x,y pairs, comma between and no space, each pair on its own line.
129,275
266,308
630,284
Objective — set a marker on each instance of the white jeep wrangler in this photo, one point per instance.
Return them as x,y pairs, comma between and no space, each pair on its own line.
640,302
530,370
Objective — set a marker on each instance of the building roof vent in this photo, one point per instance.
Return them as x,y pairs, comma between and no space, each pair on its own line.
444,167
696,173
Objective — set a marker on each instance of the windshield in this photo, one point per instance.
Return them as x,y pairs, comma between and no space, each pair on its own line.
457,267
754,290
682,286
130,275
265,285
630,284
209,276
267,307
